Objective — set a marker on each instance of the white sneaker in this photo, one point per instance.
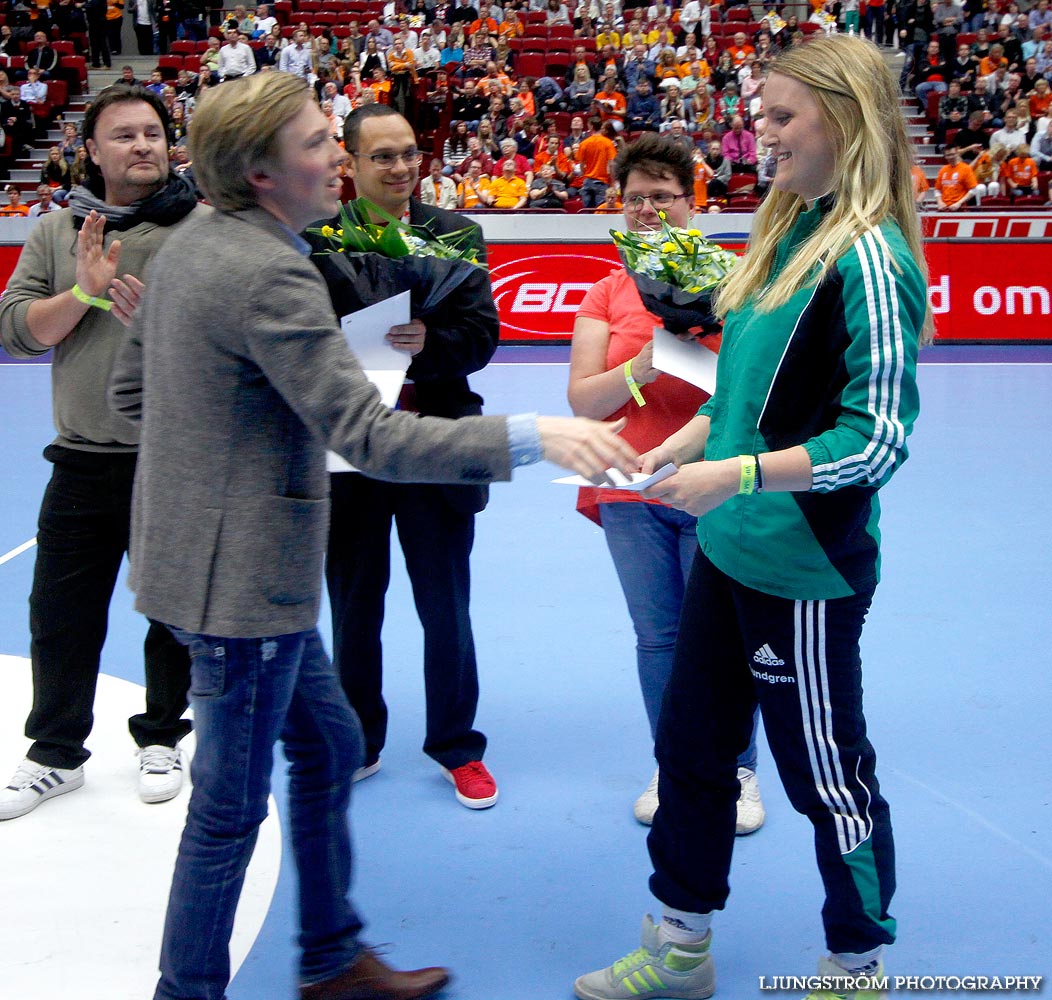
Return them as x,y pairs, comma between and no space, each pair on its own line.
647,803
751,813
160,773
366,771
32,783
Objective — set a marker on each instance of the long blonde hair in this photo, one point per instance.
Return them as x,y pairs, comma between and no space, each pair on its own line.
853,87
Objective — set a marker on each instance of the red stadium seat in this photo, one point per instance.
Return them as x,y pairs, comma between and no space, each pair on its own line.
932,107
74,70
531,64
561,31
739,14
57,93
562,121
169,66
65,48
182,48
557,63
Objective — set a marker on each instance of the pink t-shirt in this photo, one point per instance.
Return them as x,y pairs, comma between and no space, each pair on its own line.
671,402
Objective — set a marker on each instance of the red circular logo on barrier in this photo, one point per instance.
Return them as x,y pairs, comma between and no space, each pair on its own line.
540,287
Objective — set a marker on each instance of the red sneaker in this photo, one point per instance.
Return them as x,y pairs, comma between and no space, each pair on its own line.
474,785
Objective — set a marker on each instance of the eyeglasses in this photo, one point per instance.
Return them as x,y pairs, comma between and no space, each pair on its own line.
659,201
385,161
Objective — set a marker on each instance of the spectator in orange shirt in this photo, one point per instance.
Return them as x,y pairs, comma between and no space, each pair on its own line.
612,104
955,184
740,48
511,26
594,155
486,25
1021,173
703,173
611,203
14,206
995,58
921,187
553,154
380,86
470,188
1041,99
989,167
507,190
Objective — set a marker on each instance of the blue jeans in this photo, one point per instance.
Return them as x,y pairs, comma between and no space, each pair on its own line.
922,90
247,694
593,192
653,549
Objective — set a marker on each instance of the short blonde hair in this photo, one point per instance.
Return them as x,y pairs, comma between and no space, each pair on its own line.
859,100
235,129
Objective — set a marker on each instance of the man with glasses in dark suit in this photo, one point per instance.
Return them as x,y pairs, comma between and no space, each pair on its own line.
435,523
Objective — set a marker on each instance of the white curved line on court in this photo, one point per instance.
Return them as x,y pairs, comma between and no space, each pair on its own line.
976,817
18,550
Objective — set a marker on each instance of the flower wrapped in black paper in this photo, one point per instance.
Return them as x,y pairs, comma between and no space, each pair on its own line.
364,262
676,272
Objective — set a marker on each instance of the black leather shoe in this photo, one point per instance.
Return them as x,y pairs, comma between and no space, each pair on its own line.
370,979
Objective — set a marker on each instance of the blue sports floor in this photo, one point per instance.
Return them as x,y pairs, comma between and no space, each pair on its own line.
550,883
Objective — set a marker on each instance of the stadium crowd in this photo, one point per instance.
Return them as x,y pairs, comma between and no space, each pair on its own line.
523,104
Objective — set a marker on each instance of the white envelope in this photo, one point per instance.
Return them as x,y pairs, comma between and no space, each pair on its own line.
689,360
381,363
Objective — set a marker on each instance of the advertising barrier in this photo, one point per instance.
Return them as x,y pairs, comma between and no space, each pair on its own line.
990,274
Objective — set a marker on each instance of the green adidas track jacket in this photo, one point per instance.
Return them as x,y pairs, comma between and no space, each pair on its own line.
834,370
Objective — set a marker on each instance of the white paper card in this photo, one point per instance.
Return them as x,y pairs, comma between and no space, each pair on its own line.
617,481
689,360
381,363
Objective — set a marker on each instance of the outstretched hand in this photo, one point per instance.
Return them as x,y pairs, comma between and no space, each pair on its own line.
587,447
96,266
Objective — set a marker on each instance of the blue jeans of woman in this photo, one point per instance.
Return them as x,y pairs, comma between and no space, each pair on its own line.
653,549
247,694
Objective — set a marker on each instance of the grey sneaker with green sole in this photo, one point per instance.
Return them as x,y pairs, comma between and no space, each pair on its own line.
667,970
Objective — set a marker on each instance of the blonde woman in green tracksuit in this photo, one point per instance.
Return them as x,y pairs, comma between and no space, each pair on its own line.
816,394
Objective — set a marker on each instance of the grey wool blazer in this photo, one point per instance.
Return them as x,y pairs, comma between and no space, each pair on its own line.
242,379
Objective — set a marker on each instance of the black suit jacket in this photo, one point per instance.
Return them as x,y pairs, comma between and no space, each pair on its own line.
459,341
457,345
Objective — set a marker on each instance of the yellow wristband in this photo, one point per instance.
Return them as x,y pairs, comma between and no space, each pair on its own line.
633,385
91,300
747,482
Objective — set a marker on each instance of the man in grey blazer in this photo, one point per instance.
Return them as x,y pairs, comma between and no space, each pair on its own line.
230,516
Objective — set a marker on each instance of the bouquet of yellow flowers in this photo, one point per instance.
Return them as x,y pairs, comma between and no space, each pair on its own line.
365,261
356,232
676,272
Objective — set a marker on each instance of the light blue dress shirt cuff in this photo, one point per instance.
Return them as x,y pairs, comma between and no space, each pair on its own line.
524,440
